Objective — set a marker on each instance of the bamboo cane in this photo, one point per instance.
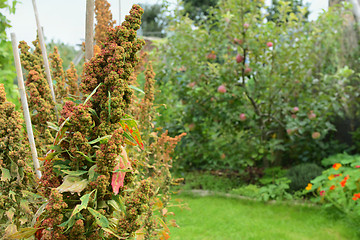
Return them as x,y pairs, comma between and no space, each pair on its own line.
89,30
44,54
25,106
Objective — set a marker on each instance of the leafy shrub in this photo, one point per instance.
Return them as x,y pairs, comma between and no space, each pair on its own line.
340,157
338,187
276,191
250,190
208,181
271,174
301,175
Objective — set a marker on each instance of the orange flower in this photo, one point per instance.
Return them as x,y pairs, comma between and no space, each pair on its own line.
309,186
336,166
356,196
332,187
343,182
331,177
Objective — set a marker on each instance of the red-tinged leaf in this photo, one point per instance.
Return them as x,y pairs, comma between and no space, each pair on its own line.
61,133
164,211
129,126
118,177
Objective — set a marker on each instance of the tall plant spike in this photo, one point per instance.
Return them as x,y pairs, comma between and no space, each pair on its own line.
25,106
103,19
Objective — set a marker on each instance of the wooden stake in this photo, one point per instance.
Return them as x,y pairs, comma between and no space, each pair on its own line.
89,31
25,105
44,54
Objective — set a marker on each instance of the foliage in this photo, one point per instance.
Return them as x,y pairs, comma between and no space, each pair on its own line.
271,174
276,191
251,191
331,160
301,174
338,186
17,178
244,88
256,220
209,181
7,68
198,9
276,5
152,22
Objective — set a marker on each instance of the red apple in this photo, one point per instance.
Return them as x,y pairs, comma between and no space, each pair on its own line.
239,58
311,115
247,70
242,117
246,25
221,89
269,44
211,56
315,135
295,109
192,84
238,41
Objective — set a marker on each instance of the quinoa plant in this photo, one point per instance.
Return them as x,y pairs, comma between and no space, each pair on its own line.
17,178
89,155
41,105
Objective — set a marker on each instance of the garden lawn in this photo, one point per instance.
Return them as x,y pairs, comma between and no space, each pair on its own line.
219,218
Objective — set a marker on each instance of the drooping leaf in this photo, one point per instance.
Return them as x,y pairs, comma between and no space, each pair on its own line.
85,156
100,139
78,208
136,89
53,126
130,126
101,220
92,93
119,202
5,174
92,173
72,184
23,233
9,230
74,173
38,213
108,230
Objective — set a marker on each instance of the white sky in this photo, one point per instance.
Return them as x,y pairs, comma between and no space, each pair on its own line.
65,20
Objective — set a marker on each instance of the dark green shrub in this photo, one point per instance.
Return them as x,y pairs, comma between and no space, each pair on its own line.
208,181
301,175
271,174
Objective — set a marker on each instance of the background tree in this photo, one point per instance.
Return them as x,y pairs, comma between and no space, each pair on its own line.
274,13
198,8
153,23
7,68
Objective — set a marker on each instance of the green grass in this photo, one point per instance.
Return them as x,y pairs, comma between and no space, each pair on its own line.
220,218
